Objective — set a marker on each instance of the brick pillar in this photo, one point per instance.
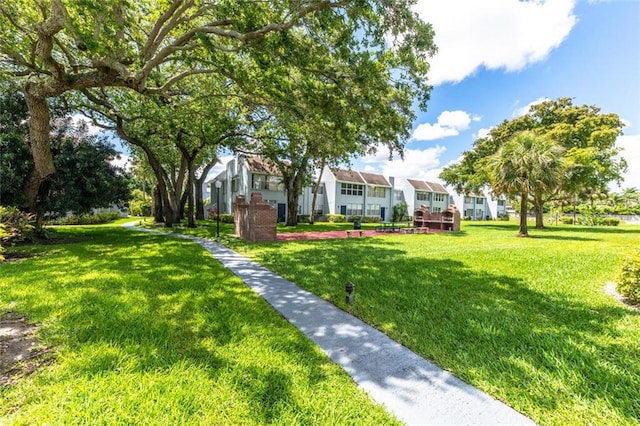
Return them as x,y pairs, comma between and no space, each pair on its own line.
255,221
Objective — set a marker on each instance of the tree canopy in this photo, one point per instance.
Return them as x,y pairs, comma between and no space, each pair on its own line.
589,156
53,47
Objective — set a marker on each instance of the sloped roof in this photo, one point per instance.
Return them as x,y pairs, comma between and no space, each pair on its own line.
348,176
352,176
374,179
262,166
421,185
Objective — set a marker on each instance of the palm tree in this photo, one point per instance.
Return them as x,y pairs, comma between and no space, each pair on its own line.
524,165
631,196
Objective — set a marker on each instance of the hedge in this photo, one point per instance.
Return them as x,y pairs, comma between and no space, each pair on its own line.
628,276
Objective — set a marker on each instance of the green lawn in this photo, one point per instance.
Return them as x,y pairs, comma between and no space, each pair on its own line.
146,329
526,320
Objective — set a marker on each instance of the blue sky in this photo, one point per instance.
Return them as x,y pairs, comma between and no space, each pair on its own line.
496,57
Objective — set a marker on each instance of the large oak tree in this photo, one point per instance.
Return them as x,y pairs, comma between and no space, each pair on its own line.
55,46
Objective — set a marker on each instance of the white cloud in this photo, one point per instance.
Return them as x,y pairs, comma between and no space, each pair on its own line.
494,34
450,123
78,119
482,133
123,161
631,152
219,167
519,112
417,164
626,123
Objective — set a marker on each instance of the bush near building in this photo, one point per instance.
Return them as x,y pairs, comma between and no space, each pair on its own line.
628,277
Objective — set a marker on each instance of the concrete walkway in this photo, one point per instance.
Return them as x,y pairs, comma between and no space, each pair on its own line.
413,389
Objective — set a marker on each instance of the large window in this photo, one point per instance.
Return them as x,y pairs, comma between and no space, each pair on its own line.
376,191
479,200
354,209
423,196
264,182
479,214
398,195
468,200
502,202
437,209
439,197
234,185
351,189
373,210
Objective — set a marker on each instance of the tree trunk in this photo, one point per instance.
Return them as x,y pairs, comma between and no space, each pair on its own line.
538,206
157,205
199,195
312,215
292,207
191,222
39,141
199,200
524,201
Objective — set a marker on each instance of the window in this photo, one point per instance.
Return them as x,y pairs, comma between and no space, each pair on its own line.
423,196
398,195
258,181
479,200
469,213
354,209
479,214
321,190
502,202
376,191
319,212
468,200
439,197
437,209
351,189
234,184
264,182
373,210
274,183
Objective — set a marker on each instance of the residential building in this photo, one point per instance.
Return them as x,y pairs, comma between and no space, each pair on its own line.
422,193
354,193
347,192
244,175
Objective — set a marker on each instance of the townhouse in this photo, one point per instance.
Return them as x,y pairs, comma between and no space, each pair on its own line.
347,192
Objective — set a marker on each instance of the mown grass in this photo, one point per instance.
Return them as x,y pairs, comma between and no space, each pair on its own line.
526,320
146,329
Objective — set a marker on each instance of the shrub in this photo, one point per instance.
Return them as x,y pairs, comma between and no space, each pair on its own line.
567,220
371,219
224,218
3,234
503,216
17,225
628,276
610,221
87,219
399,211
140,208
354,218
336,218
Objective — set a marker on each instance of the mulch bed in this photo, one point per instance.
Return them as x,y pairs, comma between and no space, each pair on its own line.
323,235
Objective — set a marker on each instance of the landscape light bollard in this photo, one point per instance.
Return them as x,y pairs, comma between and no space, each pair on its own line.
349,287
218,186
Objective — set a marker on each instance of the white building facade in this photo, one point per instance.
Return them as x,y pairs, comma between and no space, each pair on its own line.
346,192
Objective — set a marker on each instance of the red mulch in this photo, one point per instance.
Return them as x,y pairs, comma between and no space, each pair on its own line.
322,235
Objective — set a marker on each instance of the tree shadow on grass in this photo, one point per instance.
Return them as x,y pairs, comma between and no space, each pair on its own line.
525,344
145,304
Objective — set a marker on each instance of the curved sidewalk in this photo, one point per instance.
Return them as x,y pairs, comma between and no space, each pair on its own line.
412,388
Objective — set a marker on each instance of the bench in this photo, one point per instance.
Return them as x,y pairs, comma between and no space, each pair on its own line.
356,232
